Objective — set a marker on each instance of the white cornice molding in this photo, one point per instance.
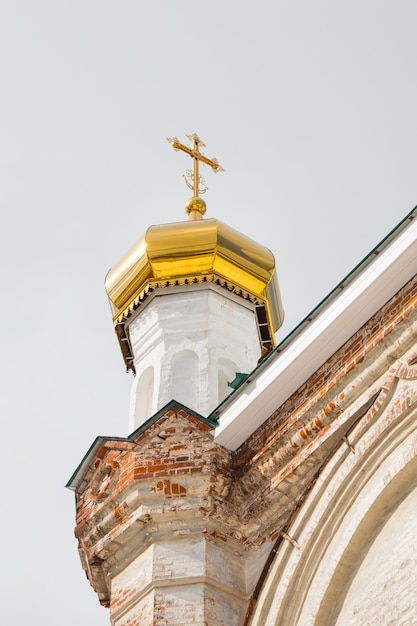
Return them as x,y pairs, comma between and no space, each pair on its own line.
340,316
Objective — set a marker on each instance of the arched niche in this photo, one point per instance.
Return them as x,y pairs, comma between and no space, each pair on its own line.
184,384
379,567
356,515
144,394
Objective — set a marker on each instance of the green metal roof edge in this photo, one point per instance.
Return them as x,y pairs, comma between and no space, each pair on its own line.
76,480
97,443
214,415
170,405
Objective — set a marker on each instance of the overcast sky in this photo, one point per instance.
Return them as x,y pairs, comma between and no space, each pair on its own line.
311,108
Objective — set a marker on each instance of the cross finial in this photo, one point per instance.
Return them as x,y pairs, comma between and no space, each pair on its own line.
195,207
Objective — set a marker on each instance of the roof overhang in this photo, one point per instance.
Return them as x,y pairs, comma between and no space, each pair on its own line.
351,304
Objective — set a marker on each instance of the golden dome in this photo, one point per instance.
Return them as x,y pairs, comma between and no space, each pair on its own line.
196,251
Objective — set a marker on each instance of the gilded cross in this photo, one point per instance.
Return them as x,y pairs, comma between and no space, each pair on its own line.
195,180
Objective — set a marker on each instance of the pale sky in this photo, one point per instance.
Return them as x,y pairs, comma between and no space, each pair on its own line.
311,108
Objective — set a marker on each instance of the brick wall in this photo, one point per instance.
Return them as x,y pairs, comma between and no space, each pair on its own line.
353,556
351,356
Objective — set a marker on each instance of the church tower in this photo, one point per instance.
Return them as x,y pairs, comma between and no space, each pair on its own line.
194,303
195,307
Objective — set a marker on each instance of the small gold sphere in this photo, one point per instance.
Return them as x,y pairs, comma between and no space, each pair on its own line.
195,204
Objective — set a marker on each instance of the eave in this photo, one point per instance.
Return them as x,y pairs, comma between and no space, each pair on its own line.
351,304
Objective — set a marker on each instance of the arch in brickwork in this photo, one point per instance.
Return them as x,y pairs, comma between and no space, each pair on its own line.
343,529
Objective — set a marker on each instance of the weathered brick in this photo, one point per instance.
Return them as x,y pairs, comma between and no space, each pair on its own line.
176,486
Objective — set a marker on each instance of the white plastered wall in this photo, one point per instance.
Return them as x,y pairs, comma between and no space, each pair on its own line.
187,343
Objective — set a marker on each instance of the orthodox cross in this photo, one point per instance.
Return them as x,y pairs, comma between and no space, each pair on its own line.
193,178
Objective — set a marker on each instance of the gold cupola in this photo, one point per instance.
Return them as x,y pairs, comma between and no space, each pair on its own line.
194,252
